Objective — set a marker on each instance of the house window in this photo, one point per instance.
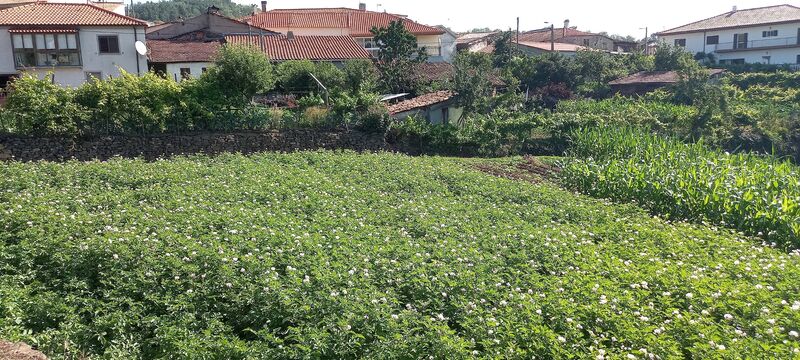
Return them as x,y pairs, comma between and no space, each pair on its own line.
45,50
186,73
712,40
445,115
740,41
93,75
732,62
204,70
798,60
770,33
586,42
766,59
680,42
108,44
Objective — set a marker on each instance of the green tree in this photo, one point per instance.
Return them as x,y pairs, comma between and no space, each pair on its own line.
504,49
360,75
171,10
239,73
296,76
669,58
472,81
398,57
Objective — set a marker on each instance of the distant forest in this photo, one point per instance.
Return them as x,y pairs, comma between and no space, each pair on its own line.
170,10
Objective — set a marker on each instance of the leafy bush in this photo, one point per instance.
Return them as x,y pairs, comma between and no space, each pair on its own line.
779,79
40,108
295,76
758,195
238,74
131,104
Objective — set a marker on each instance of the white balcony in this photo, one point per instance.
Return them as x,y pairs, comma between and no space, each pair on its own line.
755,44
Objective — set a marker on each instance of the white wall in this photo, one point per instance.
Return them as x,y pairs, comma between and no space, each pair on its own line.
174,70
91,59
787,33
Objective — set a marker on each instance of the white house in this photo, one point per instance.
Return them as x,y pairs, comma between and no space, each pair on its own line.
74,42
766,35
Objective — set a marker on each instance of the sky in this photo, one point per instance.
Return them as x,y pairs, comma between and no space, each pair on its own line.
623,17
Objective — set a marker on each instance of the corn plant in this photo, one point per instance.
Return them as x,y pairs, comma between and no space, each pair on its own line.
759,195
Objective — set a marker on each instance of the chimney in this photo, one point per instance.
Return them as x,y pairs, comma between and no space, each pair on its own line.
362,6
734,8
566,26
263,5
290,35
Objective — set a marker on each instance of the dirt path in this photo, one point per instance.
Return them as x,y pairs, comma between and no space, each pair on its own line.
531,169
19,351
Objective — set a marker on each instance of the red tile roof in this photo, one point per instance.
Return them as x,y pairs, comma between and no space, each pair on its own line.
656,77
170,51
543,35
421,102
358,23
546,46
315,48
740,18
55,14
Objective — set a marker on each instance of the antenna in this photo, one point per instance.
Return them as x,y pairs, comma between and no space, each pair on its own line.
141,48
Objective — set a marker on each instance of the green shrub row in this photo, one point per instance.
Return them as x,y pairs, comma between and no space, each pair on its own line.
759,195
782,79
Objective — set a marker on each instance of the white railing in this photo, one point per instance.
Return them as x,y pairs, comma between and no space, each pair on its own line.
756,44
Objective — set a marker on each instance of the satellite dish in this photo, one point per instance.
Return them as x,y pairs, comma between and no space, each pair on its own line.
141,48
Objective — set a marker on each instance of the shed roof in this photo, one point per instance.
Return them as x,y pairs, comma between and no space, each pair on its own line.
420,102
656,77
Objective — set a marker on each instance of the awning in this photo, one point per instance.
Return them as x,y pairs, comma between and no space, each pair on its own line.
42,31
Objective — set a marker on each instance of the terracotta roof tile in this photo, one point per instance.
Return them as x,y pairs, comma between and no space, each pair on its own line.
543,35
656,77
546,46
357,22
747,17
421,102
170,51
55,14
315,48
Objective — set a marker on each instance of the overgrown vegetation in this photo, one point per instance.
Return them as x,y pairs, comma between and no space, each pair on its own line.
171,10
338,255
758,195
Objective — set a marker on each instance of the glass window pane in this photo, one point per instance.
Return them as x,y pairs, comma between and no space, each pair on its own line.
71,43
62,41
40,41
17,41
27,41
50,41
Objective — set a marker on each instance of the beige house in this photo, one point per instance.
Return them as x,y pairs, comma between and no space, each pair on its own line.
355,23
569,35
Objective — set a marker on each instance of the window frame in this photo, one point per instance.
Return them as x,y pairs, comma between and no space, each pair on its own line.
680,42
108,36
737,41
185,73
56,49
715,37
769,33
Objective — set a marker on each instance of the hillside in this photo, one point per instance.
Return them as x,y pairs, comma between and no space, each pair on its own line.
170,10
340,255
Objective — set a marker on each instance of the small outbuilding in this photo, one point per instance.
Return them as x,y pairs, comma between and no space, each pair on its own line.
646,81
437,108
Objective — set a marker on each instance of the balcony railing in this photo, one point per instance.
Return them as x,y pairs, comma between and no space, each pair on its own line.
756,44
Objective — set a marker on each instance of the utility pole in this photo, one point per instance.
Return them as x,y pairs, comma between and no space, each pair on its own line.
517,30
552,37
646,39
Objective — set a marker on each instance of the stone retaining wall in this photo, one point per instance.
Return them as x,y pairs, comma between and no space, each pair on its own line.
164,146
